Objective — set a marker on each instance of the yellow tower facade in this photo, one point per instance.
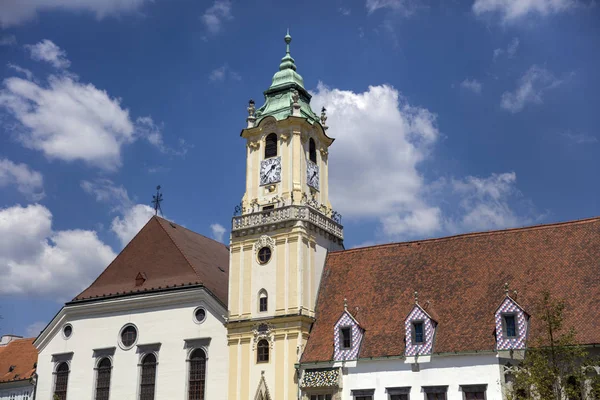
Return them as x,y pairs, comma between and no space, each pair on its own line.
280,236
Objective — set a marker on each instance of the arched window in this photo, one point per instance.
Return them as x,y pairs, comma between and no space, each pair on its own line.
103,379
262,355
271,145
197,380
263,300
312,150
61,382
148,380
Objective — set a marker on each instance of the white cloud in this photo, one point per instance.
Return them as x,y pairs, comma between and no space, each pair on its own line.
69,120
530,89
8,40
28,74
404,7
471,84
106,191
214,16
512,10
35,260
28,182
134,218
47,51
382,145
222,73
146,128
218,231
14,12
344,11
580,138
510,51
35,328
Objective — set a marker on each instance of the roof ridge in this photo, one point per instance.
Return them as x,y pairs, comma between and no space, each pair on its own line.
471,234
177,246
191,231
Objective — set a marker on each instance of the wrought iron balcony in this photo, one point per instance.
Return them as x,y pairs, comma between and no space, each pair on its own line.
288,213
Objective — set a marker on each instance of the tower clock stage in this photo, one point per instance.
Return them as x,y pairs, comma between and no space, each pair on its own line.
280,237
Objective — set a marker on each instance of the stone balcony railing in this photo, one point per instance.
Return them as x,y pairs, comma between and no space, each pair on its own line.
284,214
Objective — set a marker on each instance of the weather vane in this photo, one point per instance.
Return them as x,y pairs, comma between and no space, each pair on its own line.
156,200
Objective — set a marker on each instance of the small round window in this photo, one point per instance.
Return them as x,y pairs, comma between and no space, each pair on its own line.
128,336
200,314
67,331
264,255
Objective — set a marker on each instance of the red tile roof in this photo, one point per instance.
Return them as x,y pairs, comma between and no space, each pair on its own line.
462,278
164,255
22,355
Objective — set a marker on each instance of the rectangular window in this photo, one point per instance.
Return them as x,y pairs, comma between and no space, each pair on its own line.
435,392
473,392
266,208
263,304
510,325
346,337
326,396
364,394
398,393
418,335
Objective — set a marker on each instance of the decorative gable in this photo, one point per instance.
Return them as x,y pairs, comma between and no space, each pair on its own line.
419,342
511,325
344,348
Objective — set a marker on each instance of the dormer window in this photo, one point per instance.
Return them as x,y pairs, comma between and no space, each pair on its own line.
418,332
271,145
312,150
346,337
510,325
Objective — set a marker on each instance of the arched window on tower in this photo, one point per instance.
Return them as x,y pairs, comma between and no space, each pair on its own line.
148,380
312,150
61,381
271,145
263,300
103,379
197,378
262,354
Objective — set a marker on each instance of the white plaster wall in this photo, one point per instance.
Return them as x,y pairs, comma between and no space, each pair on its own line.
452,371
20,392
169,324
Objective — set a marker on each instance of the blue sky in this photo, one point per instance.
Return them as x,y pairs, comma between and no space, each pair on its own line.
449,117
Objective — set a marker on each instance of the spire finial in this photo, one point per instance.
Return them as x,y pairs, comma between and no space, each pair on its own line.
416,297
156,200
345,304
287,39
506,289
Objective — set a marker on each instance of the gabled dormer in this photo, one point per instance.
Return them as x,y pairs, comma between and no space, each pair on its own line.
512,323
420,331
347,337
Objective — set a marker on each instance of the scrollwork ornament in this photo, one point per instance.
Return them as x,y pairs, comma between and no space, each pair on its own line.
253,144
263,331
264,241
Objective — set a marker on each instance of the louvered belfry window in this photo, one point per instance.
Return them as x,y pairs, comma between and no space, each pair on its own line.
103,379
312,150
197,375
62,380
271,145
148,377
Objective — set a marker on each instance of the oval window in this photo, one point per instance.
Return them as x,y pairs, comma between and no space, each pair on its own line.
128,336
264,255
200,314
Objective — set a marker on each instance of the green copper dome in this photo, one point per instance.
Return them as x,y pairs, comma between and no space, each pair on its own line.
286,81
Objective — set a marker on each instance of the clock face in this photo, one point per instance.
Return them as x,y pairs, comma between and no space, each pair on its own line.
270,171
312,174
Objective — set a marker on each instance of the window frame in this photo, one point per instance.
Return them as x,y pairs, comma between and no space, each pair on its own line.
189,369
341,337
505,325
398,391
440,389
413,328
64,328
120,338
312,150
474,388
141,373
97,369
268,258
362,394
260,345
262,294
268,142
56,375
196,320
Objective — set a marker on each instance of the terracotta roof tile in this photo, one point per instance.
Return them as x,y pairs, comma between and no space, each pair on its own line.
462,277
165,255
22,355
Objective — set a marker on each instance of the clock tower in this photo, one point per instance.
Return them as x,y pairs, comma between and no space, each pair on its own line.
280,236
